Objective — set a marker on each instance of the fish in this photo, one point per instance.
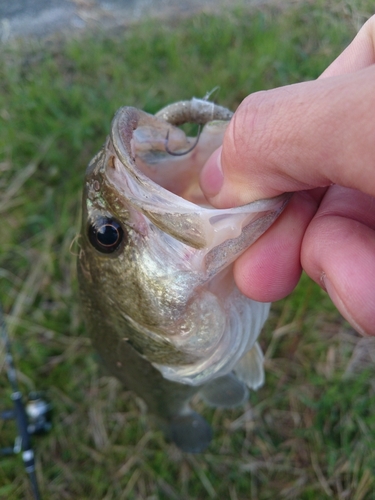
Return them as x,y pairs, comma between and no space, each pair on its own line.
155,269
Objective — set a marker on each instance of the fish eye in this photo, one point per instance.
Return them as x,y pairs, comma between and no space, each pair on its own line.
106,234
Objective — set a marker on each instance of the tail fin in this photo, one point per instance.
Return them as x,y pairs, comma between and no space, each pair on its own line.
190,432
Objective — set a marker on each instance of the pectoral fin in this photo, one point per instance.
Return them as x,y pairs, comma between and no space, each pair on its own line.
249,368
224,392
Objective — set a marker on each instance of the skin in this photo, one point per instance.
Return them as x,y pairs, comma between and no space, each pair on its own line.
316,139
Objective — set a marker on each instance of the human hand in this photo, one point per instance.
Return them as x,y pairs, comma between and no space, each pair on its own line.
316,139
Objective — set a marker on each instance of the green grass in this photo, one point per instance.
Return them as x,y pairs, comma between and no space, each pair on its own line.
309,432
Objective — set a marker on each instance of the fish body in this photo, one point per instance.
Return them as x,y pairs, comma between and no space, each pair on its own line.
155,269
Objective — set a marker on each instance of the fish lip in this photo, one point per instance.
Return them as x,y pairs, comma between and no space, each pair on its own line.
125,121
186,221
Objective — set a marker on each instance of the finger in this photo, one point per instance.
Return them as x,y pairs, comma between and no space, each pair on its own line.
358,55
338,252
252,147
299,137
270,268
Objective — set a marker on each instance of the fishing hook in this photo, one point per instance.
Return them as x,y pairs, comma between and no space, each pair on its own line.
173,153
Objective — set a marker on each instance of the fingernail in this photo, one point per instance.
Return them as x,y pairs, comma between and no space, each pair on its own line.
336,299
211,179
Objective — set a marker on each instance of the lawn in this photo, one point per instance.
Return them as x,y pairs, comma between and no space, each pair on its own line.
309,433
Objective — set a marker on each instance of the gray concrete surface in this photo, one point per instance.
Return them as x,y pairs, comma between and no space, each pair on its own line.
41,18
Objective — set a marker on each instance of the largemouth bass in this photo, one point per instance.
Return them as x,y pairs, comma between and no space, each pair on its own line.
155,273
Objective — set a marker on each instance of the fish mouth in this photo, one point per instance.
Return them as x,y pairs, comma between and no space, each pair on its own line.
165,188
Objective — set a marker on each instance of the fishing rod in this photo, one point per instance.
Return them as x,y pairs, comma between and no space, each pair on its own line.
32,418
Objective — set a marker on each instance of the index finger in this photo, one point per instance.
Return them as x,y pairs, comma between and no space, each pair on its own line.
359,54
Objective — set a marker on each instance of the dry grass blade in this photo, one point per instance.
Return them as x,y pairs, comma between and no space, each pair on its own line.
319,474
131,483
8,199
29,289
363,357
203,477
124,469
163,485
365,486
17,182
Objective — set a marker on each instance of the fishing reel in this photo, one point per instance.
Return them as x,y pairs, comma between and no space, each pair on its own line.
32,417
35,418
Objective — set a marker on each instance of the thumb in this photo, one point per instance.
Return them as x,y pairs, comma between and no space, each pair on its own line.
297,137
302,135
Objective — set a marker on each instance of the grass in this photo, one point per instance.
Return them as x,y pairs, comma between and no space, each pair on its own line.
309,432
